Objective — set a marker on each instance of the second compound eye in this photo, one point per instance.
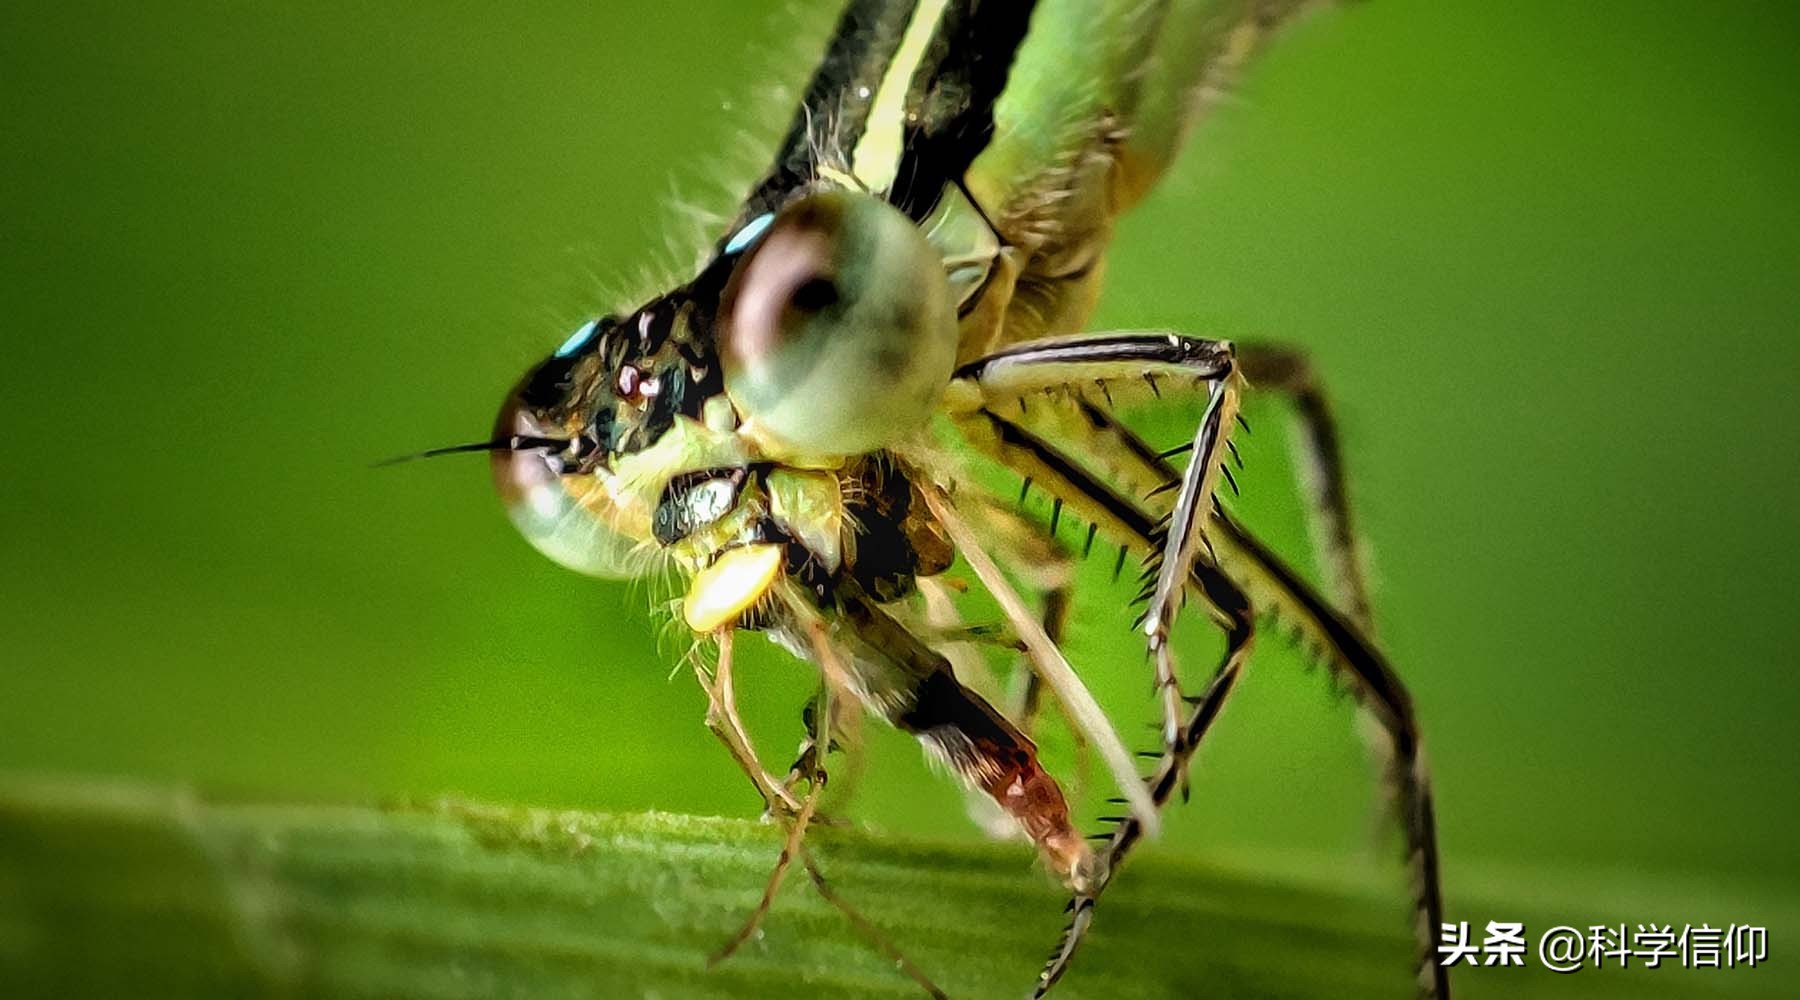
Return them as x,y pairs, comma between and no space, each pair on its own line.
838,331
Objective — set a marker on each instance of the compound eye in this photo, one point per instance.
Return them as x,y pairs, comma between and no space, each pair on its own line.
570,518
838,330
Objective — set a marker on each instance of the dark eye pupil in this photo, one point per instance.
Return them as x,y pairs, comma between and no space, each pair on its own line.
815,294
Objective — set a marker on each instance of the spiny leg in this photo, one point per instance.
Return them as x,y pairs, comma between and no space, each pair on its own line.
1276,590
1233,609
722,718
1124,519
1288,371
1180,552
796,830
1110,363
1274,587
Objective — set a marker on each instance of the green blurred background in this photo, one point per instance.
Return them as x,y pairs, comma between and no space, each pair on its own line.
1548,256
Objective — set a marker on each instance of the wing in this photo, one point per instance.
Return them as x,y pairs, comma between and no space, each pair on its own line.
1101,96
1102,93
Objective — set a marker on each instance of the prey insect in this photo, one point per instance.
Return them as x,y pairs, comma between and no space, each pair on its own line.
902,296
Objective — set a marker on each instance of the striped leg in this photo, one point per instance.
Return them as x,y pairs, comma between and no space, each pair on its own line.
1272,589
1114,363
1278,590
1348,647
1233,609
1288,371
1126,521
1343,645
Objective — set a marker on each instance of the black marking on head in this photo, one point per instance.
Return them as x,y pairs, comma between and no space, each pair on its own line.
639,375
549,384
600,431
669,402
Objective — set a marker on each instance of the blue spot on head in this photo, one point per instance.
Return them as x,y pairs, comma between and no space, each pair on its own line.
579,339
747,235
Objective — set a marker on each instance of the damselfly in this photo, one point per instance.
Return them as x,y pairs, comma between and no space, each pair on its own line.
903,294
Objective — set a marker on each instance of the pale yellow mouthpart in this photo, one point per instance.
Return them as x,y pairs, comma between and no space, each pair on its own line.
730,586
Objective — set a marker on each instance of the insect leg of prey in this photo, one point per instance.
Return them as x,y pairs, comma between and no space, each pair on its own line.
722,718
867,928
796,830
1084,712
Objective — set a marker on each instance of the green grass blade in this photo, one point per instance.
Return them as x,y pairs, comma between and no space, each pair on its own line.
113,891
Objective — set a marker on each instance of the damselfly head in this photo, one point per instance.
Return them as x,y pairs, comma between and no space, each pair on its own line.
613,389
818,332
